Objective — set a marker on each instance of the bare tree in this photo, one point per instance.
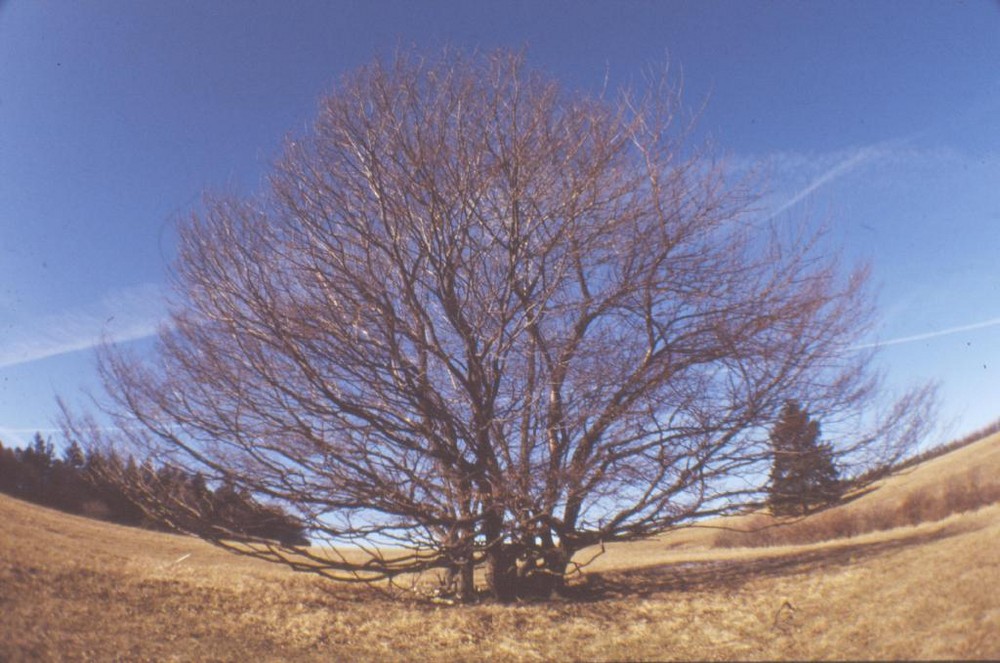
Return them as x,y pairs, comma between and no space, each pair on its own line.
477,319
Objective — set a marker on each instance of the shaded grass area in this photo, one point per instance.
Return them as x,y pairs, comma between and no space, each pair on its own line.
734,574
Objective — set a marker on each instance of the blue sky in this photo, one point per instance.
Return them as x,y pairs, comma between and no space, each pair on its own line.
881,119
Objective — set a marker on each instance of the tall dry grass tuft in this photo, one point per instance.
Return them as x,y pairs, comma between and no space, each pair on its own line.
971,490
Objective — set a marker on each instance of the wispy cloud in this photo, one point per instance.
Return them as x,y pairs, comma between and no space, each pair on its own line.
22,437
124,315
844,165
801,175
994,322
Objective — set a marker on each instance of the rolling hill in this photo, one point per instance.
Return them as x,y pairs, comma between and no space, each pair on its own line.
918,578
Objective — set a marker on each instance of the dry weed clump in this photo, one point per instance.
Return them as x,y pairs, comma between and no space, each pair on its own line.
969,491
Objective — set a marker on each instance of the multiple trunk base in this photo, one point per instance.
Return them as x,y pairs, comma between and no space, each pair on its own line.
511,575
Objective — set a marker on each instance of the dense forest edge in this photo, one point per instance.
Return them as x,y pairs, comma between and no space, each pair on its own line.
77,482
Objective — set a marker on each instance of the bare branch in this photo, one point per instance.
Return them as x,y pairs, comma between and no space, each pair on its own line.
486,320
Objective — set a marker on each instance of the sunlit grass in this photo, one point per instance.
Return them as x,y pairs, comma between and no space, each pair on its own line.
80,589
963,480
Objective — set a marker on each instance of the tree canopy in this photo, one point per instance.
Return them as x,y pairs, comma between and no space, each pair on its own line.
491,321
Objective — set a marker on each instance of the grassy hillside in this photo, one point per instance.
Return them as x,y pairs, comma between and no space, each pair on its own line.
75,589
962,480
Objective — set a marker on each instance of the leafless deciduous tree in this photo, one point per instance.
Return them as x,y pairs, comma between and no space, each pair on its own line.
477,319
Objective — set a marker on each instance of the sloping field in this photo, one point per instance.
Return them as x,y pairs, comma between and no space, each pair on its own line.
962,480
76,589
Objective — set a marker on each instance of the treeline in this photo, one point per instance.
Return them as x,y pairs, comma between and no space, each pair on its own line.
82,483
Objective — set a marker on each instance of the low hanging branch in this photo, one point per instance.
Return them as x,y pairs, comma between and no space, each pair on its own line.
477,319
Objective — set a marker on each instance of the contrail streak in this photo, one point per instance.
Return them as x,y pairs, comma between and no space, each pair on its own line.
934,334
30,351
839,170
128,314
855,159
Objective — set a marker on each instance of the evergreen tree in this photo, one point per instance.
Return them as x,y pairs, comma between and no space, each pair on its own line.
74,457
803,476
35,479
9,470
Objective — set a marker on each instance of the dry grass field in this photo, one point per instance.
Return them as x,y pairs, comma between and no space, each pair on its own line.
895,588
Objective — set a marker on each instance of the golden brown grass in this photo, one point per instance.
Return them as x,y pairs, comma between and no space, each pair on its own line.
962,480
83,590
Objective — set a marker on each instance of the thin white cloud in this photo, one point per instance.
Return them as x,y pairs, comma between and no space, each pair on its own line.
853,160
788,167
21,437
125,315
934,334
24,437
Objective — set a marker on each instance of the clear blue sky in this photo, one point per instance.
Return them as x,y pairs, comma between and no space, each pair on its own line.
882,118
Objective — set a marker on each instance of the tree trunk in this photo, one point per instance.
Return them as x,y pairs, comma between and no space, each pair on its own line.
465,582
556,562
539,577
544,575
501,573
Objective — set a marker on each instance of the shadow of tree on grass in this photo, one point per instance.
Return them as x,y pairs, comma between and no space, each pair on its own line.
714,575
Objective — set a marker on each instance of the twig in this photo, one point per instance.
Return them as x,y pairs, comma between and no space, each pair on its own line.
777,615
177,561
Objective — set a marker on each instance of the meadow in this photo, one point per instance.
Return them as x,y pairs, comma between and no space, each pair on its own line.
909,570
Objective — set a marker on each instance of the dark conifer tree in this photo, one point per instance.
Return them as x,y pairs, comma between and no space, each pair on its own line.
803,475
9,470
